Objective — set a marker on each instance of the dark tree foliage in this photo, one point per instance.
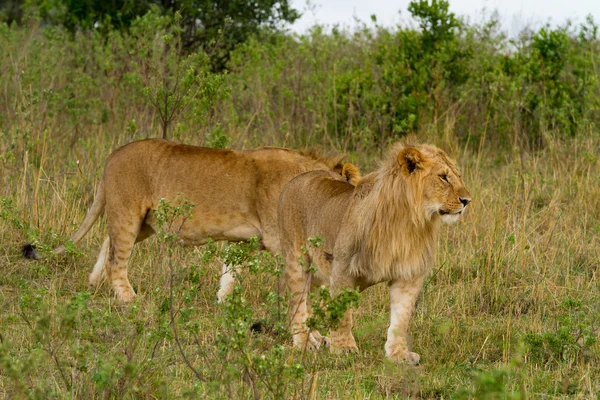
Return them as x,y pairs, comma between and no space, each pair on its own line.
10,10
216,26
106,13
219,25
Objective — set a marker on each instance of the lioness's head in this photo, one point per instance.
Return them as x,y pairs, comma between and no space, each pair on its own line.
436,182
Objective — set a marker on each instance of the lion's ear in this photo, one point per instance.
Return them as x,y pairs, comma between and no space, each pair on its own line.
410,159
351,173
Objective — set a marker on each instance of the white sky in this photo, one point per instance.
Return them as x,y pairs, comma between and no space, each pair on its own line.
515,14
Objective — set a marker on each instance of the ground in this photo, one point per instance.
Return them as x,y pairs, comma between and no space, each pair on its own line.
510,309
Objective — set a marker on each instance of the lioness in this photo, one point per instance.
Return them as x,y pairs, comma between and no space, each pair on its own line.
234,194
381,230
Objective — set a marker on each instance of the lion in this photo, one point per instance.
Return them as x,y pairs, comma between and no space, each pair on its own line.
383,229
234,196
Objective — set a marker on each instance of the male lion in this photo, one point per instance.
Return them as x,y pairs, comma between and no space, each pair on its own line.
381,230
234,194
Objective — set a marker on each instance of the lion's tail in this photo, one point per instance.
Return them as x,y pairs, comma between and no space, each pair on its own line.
28,250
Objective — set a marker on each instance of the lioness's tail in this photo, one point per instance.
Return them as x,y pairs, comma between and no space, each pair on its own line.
28,250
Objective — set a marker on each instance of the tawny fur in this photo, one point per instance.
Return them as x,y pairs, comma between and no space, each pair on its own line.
234,194
351,173
382,230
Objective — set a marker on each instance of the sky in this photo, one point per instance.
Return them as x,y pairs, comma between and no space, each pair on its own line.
514,14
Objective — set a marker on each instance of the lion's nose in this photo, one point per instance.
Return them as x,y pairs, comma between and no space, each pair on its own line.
465,201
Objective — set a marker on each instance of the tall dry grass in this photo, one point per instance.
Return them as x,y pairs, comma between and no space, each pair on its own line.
511,307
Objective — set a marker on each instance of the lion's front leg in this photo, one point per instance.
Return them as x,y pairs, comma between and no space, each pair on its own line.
342,340
403,296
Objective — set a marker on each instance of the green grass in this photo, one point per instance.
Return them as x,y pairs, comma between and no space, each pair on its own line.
511,307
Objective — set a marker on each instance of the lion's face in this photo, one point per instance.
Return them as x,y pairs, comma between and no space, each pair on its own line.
443,193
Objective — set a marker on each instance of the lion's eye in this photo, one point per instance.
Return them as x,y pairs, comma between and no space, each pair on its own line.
444,177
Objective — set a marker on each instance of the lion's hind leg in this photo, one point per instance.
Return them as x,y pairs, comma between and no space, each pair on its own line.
342,340
298,282
321,267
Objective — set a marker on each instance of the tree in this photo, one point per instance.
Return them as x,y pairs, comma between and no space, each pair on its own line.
216,26
219,25
437,23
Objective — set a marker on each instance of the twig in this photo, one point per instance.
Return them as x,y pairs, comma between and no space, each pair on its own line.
48,349
174,326
50,178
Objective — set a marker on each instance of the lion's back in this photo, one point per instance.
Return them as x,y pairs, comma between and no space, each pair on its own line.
313,204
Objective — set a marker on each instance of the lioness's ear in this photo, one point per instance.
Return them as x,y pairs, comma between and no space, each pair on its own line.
351,173
410,159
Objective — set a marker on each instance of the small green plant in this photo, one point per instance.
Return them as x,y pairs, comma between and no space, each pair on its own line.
9,213
170,218
496,383
327,311
573,338
217,138
490,384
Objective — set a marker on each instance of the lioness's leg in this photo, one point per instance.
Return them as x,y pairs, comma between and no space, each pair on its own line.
123,231
269,241
403,296
226,282
145,232
99,268
342,340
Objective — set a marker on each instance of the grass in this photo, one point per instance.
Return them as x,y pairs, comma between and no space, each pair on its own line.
510,310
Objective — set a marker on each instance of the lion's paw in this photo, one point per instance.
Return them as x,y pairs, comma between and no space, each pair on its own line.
401,355
343,345
323,340
221,294
307,341
413,358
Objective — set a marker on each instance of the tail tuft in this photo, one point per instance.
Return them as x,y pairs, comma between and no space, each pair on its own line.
28,251
257,327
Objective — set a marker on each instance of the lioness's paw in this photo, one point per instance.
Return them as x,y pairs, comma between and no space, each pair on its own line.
126,296
221,294
227,282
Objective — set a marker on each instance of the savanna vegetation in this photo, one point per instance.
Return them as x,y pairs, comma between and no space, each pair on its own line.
512,307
